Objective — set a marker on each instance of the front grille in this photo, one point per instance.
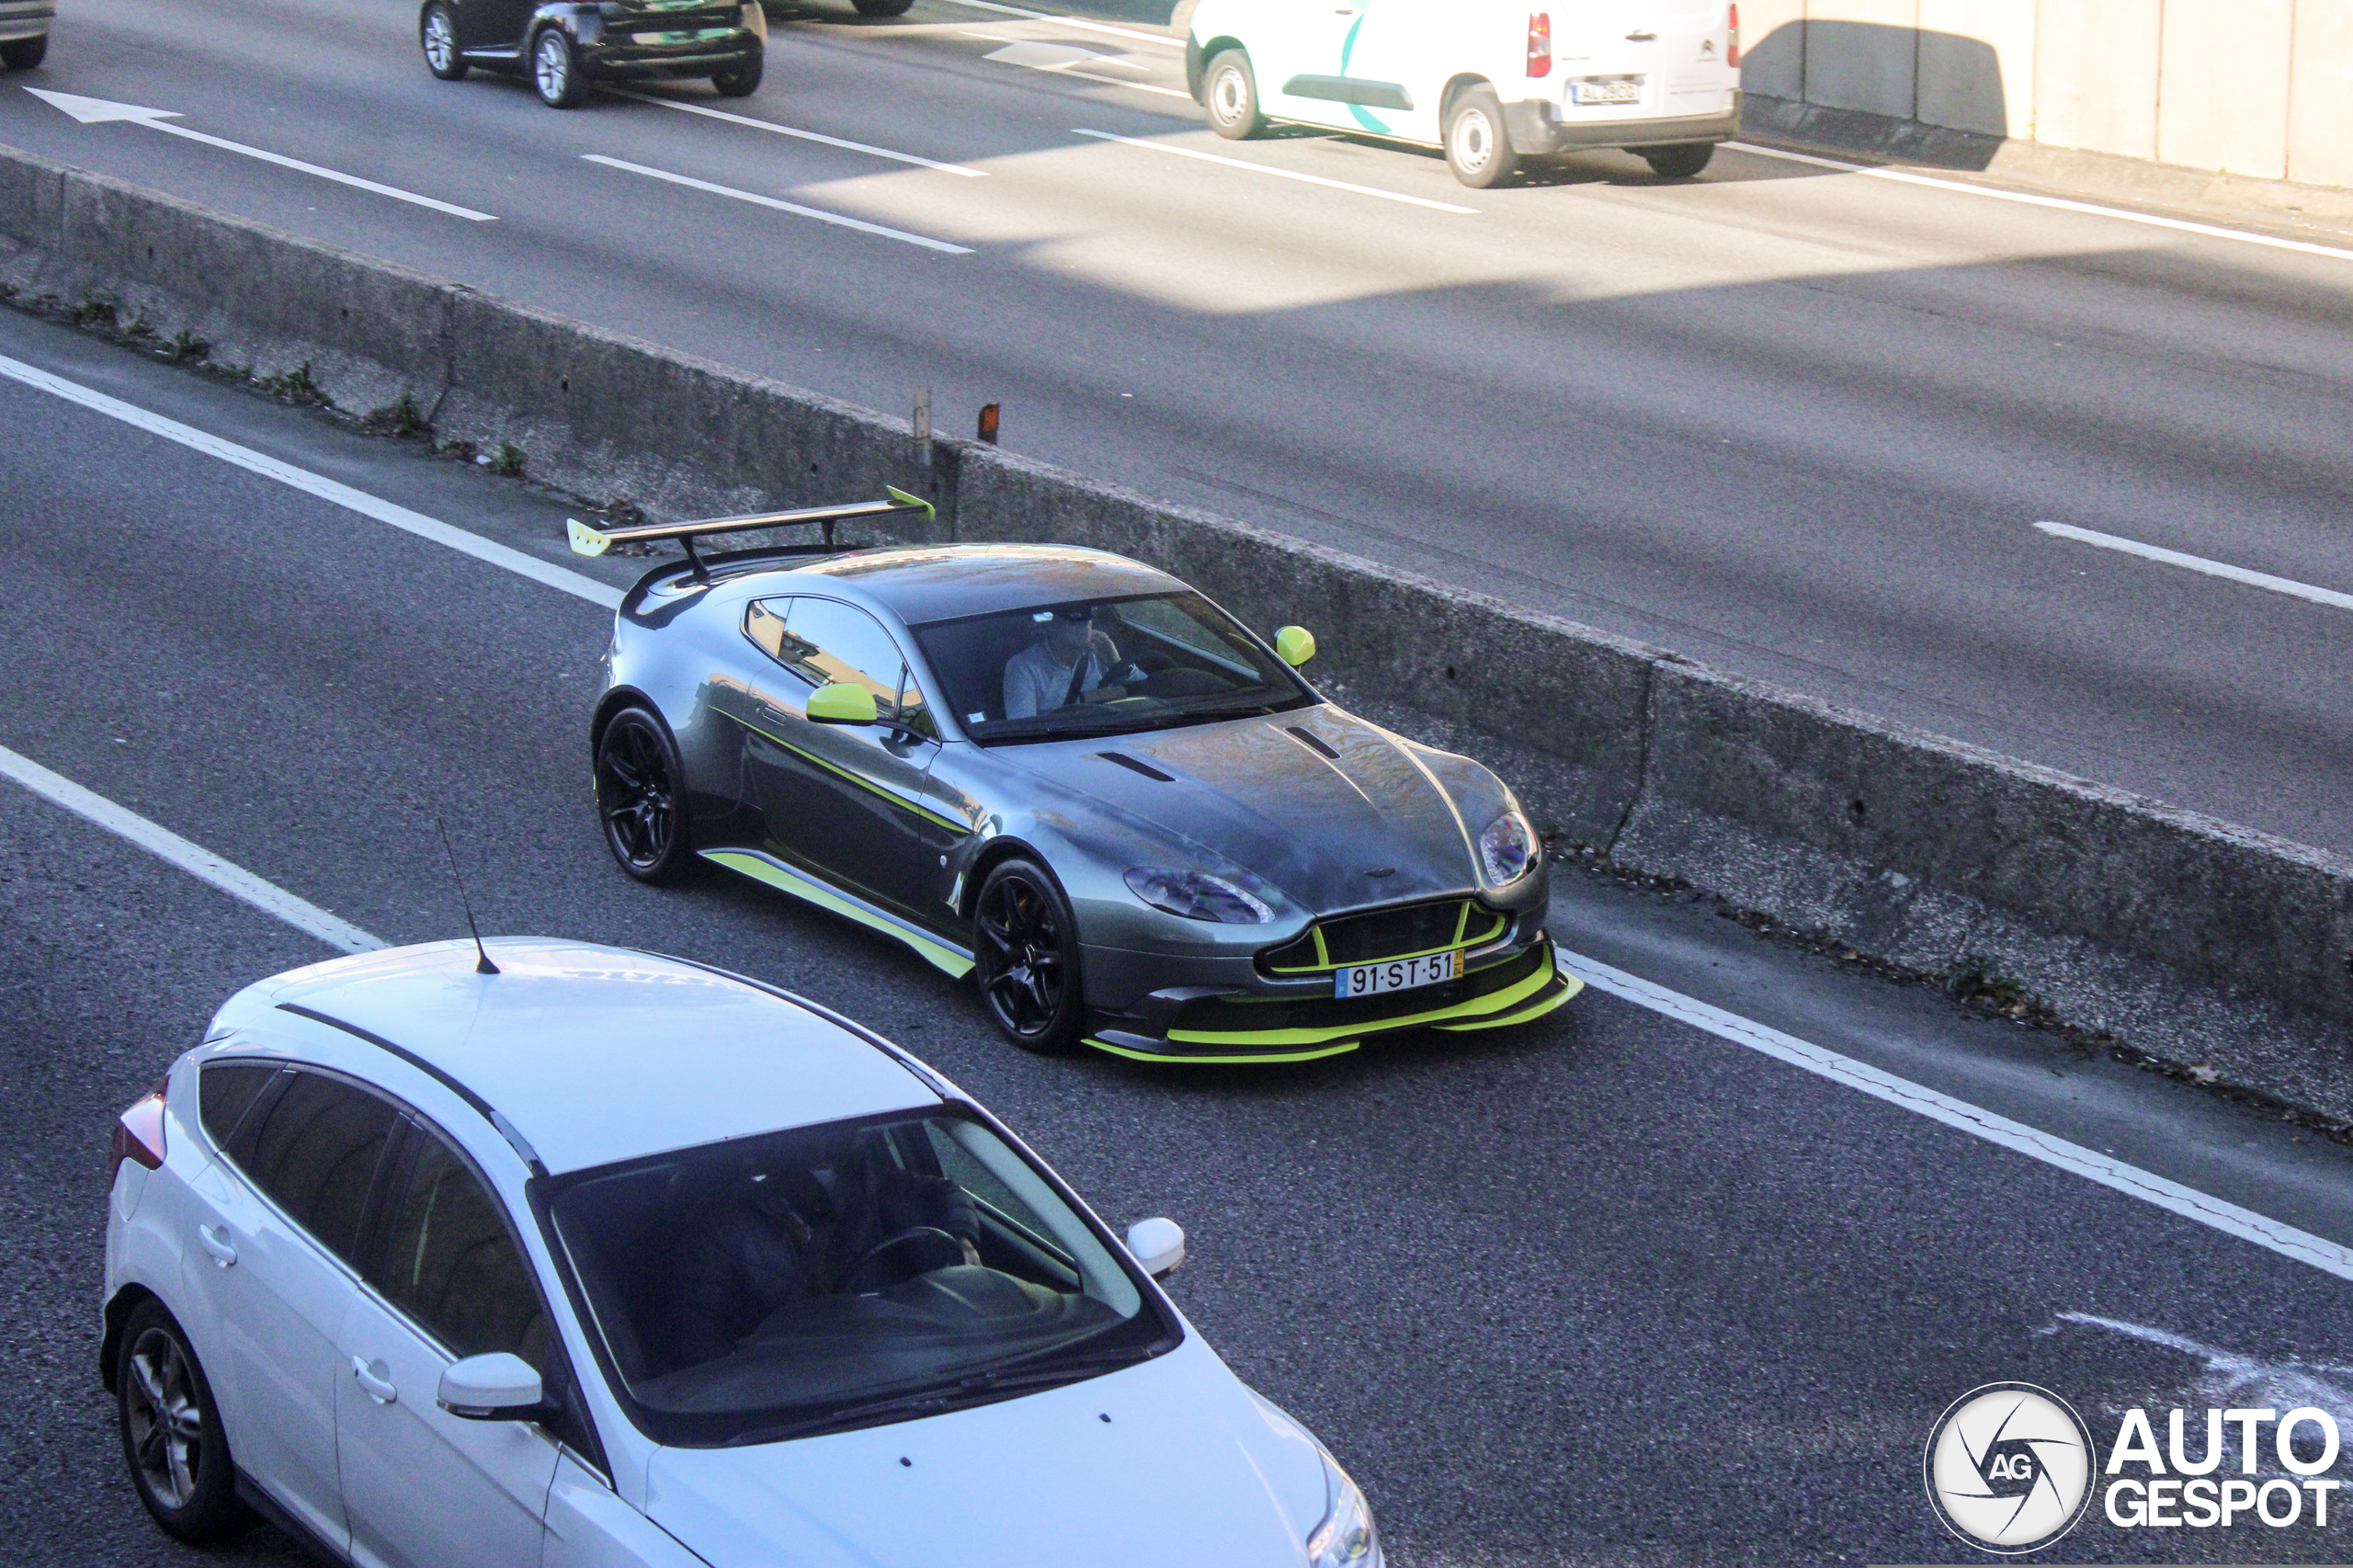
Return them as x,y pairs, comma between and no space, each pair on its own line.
1380,934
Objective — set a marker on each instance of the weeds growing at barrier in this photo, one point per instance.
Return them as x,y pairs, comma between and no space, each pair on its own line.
294,386
400,419
509,461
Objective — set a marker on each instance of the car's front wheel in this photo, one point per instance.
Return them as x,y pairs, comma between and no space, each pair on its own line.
740,81
1680,161
438,33
170,1431
640,798
1230,92
555,70
1026,958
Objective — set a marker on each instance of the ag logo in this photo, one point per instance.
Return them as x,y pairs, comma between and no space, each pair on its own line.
2009,1468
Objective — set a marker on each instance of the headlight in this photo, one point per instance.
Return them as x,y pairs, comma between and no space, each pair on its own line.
1346,1539
1196,895
1507,848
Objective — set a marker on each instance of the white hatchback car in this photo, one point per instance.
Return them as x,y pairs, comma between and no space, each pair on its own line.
575,1256
1490,82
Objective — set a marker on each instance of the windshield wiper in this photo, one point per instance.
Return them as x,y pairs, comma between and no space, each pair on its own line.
980,1387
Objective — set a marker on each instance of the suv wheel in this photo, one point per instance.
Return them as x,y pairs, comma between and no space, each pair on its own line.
23,54
437,31
555,72
1478,148
170,1431
742,80
1230,92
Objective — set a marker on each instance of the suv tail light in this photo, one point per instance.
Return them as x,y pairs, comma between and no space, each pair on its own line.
1540,43
139,1135
1731,46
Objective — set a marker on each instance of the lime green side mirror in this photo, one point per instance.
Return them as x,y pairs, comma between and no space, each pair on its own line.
1296,644
838,702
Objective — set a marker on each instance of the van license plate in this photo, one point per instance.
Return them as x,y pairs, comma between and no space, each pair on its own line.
1397,975
1627,92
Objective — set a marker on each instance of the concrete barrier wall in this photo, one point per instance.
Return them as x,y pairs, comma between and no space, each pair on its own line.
2261,88
2193,940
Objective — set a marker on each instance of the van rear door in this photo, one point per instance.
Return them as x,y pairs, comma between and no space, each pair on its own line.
1624,59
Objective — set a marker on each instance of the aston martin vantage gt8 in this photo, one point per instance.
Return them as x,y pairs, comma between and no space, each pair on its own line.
1074,778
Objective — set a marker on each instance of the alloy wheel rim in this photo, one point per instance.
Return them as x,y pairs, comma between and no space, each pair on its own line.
553,64
438,45
1023,944
165,1422
634,792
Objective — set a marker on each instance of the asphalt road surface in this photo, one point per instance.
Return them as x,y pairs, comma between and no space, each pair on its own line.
1790,421
1608,1290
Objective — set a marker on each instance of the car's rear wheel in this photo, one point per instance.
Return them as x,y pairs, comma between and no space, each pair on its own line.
1026,954
1230,92
1478,147
883,7
742,81
23,54
555,70
437,31
640,798
170,1431
1679,161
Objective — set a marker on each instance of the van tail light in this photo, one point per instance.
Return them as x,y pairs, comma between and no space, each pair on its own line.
1540,43
139,1135
1732,45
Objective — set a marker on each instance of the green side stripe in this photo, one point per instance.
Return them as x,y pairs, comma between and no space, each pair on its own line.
1191,1061
957,965
1478,1007
895,798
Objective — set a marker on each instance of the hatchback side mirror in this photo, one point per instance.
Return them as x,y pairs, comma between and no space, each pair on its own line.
496,1387
839,702
1296,644
1159,1245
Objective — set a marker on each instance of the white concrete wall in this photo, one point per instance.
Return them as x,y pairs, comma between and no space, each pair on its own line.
2259,87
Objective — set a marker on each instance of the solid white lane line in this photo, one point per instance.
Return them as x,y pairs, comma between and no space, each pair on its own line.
193,858
769,125
2092,1166
1264,169
1082,25
2200,563
860,224
2059,203
311,483
102,111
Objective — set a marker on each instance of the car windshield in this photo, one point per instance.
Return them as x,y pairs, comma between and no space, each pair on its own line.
1103,667
843,1275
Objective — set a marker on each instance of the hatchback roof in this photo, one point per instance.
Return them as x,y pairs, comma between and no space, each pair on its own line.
596,1054
923,583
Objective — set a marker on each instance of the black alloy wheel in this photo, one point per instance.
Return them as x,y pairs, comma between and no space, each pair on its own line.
1680,161
170,1431
740,81
1026,952
438,33
1230,92
554,70
639,798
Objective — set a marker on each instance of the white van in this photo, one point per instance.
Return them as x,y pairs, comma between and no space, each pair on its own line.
1490,81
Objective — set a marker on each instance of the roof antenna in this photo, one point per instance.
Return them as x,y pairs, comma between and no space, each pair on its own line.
483,964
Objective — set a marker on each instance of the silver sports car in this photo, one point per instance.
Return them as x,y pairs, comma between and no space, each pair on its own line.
1073,778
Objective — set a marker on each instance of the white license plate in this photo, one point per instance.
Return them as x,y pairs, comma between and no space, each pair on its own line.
1608,92
1398,974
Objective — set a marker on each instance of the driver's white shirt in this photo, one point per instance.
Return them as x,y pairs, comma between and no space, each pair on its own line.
1035,682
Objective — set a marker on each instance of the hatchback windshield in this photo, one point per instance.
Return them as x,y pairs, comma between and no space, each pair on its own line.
1104,667
843,1275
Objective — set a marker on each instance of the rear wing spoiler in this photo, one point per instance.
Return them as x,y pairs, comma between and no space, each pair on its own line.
587,540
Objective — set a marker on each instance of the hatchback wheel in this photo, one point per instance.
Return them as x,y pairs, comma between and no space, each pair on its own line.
1230,92
555,72
170,1431
640,798
1025,948
439,33
1478,148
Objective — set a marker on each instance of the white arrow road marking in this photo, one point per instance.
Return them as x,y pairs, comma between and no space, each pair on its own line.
795,130
193,858
99,111
2330,597
860,224
1160,38
1061,60
2092,1166
1279,174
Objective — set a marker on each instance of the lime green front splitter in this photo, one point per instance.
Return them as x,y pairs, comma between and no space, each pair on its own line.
1259,1059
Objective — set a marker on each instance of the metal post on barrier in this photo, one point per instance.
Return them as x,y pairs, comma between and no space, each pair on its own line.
922,422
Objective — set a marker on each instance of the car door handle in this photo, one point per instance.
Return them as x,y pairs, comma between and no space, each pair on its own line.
1638,36
378,1388
214,1239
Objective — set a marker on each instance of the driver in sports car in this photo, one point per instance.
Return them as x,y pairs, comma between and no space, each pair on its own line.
1069,661
785,1233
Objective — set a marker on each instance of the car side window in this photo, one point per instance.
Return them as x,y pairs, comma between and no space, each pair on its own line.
828,641
316,1153
453,1264
225,1091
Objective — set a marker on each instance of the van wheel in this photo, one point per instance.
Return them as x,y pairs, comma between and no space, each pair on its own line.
170,1431
1478,148
1679,161
1230,92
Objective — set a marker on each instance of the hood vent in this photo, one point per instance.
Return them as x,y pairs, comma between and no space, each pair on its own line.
1315,742
1132,765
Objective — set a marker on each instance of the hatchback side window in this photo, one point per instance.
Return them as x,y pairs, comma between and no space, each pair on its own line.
316,1155
828,641
450,1262
225,1091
